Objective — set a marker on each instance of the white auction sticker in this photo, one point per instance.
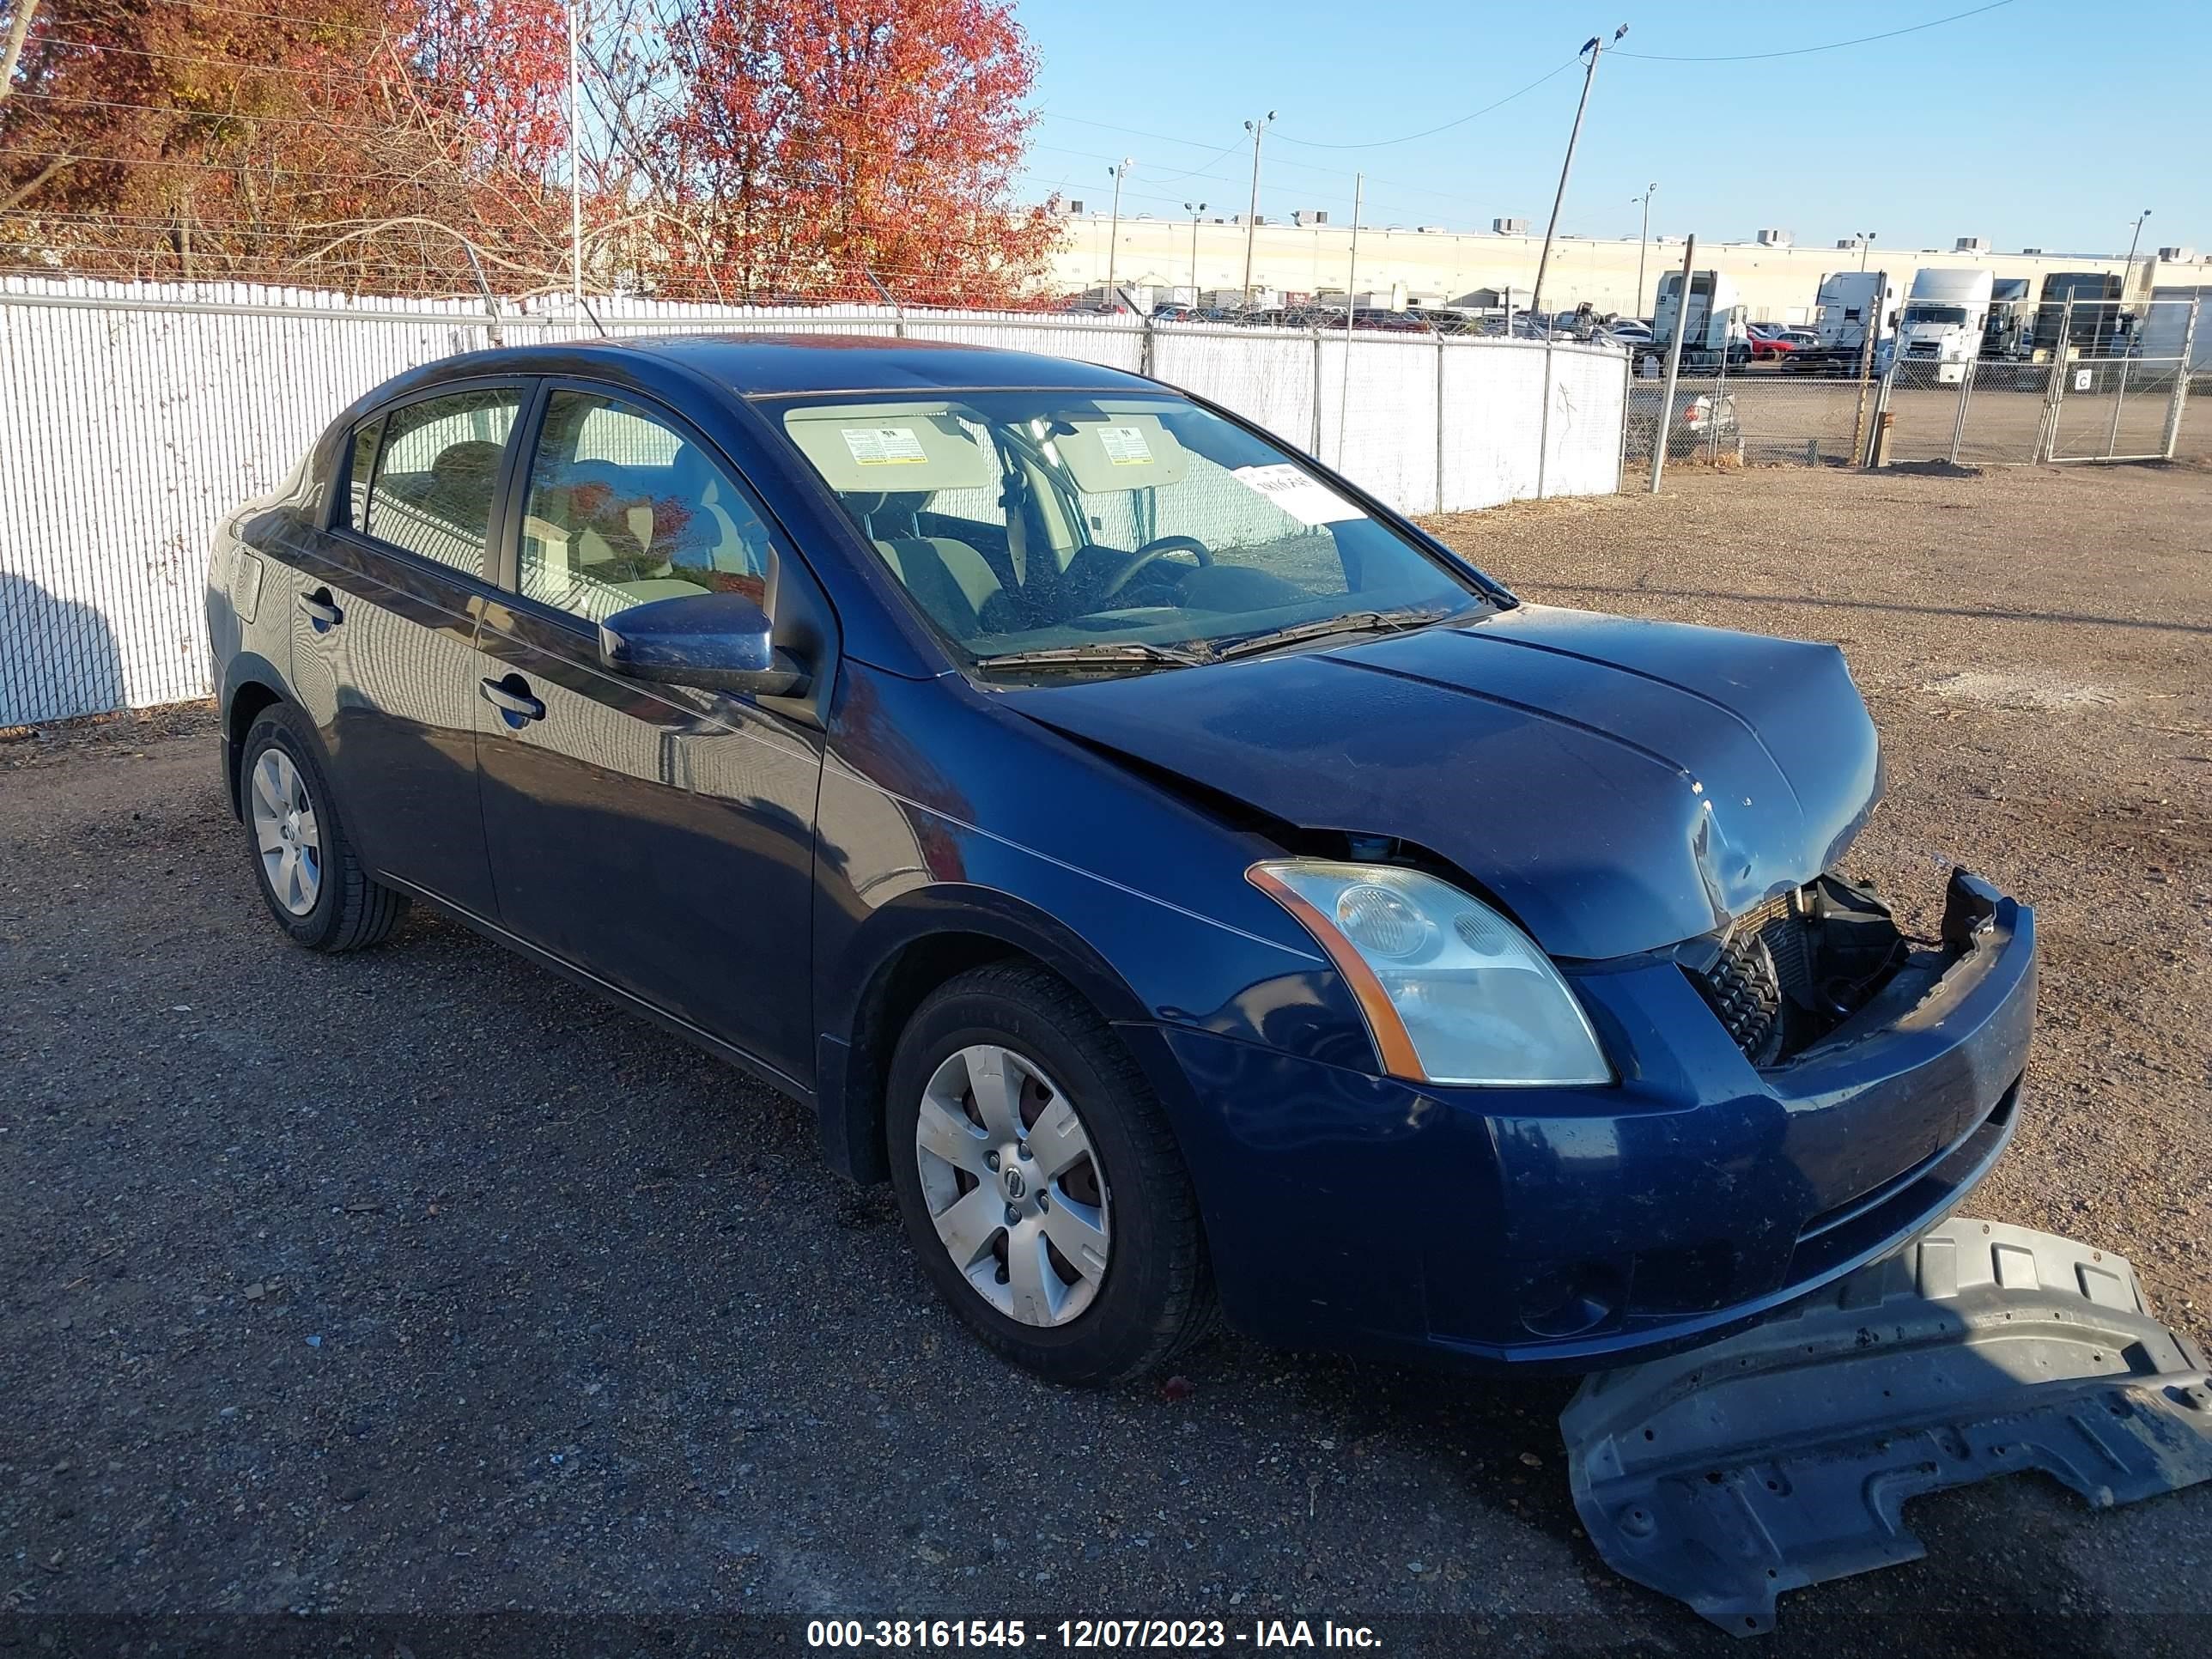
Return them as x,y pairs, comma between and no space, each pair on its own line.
1305,499
1124,446
883,445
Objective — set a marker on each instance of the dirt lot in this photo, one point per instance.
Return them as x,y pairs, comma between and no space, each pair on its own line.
418,1282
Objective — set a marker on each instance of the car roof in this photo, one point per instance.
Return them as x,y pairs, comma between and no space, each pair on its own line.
778,365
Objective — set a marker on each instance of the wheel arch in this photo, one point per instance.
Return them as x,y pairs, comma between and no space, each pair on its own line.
252,686
903,952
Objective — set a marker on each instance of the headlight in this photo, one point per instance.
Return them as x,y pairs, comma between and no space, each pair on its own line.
1453,992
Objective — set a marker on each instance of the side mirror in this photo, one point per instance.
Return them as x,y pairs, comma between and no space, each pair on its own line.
723,641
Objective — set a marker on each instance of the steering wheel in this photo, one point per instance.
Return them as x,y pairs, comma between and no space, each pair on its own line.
1153,550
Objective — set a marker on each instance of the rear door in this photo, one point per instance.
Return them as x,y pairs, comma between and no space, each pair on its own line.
660,837
384,650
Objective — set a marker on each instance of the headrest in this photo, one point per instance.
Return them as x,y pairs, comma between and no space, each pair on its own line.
471,461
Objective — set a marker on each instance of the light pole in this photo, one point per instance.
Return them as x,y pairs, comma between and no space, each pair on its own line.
1595,47
1197,211
1114,235
1643,244
1257,128
2128,275
1866,246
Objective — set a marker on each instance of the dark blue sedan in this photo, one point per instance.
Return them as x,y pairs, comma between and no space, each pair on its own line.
1185,881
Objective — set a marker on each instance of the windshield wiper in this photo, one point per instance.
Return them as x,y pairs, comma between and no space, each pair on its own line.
1356,622
1106,653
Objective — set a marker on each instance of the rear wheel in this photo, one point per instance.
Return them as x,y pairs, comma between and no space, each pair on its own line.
1039,1183
303,863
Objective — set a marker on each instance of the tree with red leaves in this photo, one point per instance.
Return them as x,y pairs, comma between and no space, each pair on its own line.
351,138
820,141
731,147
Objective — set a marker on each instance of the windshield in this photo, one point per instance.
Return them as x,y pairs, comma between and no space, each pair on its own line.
1101,526
1935,313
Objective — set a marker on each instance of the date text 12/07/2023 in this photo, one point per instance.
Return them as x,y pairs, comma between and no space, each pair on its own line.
1113,1635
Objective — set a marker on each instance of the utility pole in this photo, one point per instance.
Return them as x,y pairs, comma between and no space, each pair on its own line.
1120,171
1643,244
1595,47
1197,211
1866,246
575,167
1257,128
2127,276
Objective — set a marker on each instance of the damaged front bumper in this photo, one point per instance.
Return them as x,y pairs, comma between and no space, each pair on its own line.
1574,1228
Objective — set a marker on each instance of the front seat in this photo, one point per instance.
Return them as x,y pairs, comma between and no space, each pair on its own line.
951,581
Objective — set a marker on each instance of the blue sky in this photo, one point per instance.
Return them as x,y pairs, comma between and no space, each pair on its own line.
2039,122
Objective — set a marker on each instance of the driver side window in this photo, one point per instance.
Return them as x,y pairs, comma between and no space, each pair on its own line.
624,510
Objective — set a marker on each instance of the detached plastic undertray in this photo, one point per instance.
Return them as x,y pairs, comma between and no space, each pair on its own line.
1782,1457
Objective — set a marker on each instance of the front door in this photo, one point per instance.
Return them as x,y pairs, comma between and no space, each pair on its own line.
384,652
660,837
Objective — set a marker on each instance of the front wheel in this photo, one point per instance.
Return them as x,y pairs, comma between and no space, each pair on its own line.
1039,1181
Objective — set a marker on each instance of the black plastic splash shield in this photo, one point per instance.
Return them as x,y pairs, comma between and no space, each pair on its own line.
1782,1457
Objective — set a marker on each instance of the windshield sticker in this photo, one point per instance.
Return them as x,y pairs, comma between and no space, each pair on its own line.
1124,446
883,445
1307,500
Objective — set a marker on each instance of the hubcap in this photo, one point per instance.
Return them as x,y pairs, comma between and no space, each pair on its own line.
285,830
1013,1186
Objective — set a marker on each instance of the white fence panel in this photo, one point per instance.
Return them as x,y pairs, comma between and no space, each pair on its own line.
133,416
1492,423
1267,376
1380,430
1587,394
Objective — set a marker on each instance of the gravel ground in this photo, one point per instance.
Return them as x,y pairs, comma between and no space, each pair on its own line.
418,1282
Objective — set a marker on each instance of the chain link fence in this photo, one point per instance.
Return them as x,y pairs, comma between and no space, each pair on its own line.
2096,392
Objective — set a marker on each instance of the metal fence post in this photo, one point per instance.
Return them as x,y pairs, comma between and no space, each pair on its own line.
1317,395
2119,402
1966,396
1144,350
2056,395
1440,424
1673,367
2181,381
1719,395
1544,424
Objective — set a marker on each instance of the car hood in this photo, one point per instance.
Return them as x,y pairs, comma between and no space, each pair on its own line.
1618,785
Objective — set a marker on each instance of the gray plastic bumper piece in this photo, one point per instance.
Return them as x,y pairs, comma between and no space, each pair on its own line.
1782,1457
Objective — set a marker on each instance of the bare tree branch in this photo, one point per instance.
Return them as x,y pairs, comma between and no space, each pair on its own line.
44,174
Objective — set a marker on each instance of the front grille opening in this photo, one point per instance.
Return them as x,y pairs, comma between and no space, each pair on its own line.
1783,976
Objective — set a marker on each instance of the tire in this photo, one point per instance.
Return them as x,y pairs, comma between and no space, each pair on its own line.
320,896
1153,1297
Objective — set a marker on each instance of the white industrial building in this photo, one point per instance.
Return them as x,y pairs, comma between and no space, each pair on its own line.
1311,255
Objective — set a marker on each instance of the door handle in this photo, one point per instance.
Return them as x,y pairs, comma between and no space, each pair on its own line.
321,611
511,696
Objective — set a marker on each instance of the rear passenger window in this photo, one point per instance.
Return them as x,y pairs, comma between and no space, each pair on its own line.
436,466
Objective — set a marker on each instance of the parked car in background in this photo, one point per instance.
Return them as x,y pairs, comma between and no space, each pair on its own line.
1628,330
1277,913
1176,313
1769,341
1703,425
1394,322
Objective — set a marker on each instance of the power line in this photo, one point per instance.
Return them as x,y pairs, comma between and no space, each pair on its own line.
1383,144
1832,46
